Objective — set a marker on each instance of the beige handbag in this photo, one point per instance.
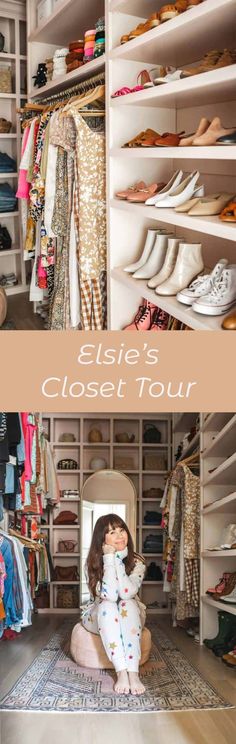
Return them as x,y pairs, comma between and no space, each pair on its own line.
154,461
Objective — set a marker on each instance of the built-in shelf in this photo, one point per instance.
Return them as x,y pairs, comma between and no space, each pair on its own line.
226,505
8,174
75,76
158,611
185,314
191,447
196,90
216,421
166,44
224,474
59,27
71,471
6,215
8,95
224,443
8,135
16,289
206,225
10,251
6,55
175,153
65,555
219,553
223,606
185,422
66,527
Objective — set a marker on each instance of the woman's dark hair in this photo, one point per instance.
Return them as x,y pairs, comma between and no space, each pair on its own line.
94,563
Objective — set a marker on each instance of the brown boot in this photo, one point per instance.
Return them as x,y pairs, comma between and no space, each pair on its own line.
213,60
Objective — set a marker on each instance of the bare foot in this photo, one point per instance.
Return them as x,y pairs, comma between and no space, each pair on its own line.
122,684
136,686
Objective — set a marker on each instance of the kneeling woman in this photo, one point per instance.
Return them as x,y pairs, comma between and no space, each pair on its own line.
115,573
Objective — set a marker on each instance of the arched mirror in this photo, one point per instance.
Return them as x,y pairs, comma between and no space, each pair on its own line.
105,492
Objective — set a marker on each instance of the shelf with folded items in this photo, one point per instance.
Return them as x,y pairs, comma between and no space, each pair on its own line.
206,225
195,90
75,76
226,505
184,313
204,27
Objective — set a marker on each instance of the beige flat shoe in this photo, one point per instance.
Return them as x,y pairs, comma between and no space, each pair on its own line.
193,202
202,128
212,134
208,205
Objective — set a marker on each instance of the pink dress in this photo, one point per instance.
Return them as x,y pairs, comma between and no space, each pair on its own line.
23,185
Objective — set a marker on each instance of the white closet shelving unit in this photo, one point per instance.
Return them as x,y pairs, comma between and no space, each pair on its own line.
13,27
171,107
218,509
67,22
82,451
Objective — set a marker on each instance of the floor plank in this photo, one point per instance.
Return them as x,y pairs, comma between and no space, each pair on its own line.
21,312
183,727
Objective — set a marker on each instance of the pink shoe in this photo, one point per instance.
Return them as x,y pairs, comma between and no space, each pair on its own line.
140,185
218,589
143,318
160,320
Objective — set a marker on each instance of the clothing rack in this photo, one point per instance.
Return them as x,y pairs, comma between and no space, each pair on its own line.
83,86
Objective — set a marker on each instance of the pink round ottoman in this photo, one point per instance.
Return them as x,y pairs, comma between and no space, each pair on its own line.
87,649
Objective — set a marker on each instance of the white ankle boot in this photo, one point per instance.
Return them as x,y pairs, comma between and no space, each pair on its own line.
222,296
169,263
149,243
156,258
170,186
188,265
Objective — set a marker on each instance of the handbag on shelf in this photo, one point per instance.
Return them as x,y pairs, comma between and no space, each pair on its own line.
66,546
67,464
67,597
66,437
154,461
66,517
153,493
42,600
66,573
151,433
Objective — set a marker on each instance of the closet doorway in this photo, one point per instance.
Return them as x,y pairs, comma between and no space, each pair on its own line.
105,492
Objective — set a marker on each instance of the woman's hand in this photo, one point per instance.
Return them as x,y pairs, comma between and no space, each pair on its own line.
107,549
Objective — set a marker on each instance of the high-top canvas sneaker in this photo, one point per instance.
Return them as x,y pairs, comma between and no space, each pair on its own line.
222,296
202,285
143,318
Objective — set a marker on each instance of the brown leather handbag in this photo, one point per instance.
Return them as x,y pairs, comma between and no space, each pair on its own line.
67,597
66,573
66,546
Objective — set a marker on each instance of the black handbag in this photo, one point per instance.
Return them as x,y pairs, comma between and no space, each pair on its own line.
5,239
152,517
151,433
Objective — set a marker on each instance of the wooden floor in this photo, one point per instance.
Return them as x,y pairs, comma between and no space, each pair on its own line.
21,312
190,727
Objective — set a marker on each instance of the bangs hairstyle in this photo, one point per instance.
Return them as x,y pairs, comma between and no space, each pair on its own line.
94,563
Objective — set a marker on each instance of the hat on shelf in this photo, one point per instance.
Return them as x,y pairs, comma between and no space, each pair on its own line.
66,517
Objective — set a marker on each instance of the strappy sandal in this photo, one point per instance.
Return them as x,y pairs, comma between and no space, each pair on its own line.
168,140
228,214
147,77
125,90
141,137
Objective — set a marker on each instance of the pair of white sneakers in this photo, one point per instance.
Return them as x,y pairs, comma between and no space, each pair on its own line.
214,293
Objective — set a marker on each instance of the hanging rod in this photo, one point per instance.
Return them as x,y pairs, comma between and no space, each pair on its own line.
82,86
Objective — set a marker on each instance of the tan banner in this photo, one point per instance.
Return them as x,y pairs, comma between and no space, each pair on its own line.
117,371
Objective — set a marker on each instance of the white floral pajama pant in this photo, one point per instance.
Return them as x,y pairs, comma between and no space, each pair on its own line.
119,625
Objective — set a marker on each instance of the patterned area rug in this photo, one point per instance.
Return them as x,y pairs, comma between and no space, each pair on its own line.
53,682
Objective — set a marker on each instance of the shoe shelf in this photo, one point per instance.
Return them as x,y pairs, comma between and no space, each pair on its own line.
204,27
195,321
172,107
224,473
75,76
110,425
197,90
218,510
206,225
175,153
223,606
224,442
219,553
225,505
214,422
